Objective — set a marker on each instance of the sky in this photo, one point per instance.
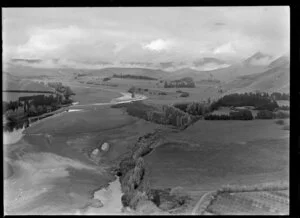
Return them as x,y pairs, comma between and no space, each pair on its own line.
91,36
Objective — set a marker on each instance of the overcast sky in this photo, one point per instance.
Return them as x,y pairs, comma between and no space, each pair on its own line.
144,34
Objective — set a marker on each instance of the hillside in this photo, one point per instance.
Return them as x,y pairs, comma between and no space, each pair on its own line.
274,79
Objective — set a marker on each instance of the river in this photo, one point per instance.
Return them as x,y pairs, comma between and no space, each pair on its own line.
48,170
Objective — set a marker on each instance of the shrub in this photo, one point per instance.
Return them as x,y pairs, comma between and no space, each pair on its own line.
162,93
281,114
106,79
241,115
286,127
264,114
279,122
184,94
217,117
284,107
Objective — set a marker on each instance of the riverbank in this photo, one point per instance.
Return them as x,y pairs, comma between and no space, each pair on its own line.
138,194
54,173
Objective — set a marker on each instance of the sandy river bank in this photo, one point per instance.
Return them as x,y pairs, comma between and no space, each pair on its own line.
48,168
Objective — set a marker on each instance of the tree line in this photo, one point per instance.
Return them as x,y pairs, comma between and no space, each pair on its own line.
186,82
280,96
261,101
128,76
234,115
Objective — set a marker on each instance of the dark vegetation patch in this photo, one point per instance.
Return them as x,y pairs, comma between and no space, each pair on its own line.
233,115
128,76
186,82
279,122
261,101
184,94
168,115
106,79
280,96
284,108
265,114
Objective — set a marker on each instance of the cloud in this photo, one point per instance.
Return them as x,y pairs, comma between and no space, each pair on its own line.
158,45
227,48
120,34
44,41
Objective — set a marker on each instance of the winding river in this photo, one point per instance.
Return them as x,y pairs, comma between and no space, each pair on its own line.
48,170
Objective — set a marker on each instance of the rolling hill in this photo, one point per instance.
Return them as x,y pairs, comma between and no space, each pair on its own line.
275,78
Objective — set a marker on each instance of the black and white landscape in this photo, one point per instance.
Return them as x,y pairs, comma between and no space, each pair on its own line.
172,110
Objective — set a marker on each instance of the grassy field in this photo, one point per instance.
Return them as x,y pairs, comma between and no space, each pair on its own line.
210,154
199,93
251,203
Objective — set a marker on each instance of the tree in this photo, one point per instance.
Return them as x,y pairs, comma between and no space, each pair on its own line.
68,92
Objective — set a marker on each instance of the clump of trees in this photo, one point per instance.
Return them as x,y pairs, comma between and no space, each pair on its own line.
59,87
186,82
281,114
43,100
261,101
193,108
284,107
128,76
176,117
280,96
106,79
197,109
169,115
265,114
11,105
182,106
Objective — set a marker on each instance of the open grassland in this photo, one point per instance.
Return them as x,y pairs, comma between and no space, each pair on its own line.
211,154
153,88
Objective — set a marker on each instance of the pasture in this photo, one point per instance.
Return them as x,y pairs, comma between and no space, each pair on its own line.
210,154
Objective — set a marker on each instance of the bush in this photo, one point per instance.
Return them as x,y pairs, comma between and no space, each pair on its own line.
279,122
162,93
184,94
286,127
284,107
217,117
265,114
241,115
106,79
281,114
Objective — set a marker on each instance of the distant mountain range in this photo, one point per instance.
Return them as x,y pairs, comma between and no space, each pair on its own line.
258,72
